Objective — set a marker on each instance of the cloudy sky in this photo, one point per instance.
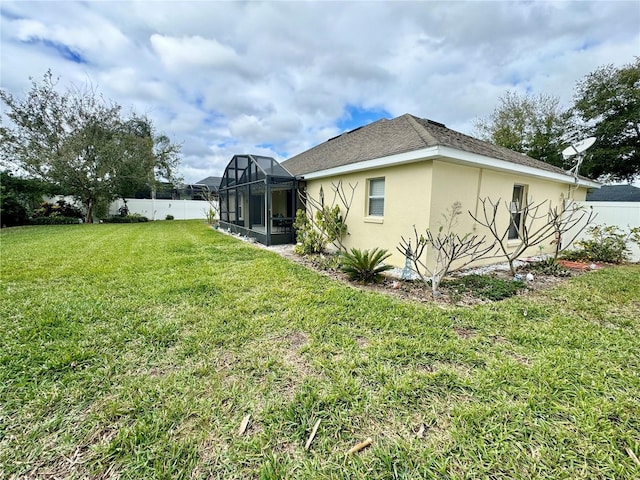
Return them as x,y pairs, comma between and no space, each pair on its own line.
276,78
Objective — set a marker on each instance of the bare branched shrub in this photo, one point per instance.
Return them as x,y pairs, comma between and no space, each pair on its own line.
447,248
328,222
536,226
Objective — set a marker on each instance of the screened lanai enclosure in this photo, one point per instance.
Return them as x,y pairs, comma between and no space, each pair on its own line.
258,199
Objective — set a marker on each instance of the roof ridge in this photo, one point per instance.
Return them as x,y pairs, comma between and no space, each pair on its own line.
422,132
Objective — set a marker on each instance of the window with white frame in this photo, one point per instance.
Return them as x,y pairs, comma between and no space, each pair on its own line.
516,210
376,197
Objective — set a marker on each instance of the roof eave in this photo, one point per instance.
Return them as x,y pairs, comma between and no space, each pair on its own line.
453,155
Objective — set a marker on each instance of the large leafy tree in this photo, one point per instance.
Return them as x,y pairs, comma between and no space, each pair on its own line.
80,142
607,106
534,125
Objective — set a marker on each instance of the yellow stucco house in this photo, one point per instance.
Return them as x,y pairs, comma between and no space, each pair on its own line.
409,170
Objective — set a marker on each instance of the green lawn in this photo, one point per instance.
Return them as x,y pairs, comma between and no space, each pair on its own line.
135,351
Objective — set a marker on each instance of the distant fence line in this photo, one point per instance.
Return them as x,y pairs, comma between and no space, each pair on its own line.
155,209
621,214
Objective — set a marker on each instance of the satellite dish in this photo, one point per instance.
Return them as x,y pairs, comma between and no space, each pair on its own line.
576,150
577,147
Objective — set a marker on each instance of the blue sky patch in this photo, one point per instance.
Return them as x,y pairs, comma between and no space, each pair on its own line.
356,116
9,15
273,148
63,50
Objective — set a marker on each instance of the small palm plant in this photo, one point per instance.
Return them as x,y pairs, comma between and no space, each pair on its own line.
365,266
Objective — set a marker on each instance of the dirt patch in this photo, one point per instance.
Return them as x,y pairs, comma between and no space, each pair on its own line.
464,332
297,339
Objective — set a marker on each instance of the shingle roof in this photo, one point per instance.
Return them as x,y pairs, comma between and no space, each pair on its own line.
615,193
402,134
212,182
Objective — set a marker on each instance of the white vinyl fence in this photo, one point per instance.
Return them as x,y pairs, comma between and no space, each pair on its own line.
159,209
623,215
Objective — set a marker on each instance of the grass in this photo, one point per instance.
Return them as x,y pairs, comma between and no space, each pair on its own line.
135,351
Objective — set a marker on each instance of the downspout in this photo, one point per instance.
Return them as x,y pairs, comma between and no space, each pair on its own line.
478,190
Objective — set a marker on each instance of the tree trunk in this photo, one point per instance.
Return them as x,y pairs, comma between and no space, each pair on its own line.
89,217
511,267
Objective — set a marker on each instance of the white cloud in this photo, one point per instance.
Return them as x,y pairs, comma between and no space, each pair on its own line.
195,51
276,77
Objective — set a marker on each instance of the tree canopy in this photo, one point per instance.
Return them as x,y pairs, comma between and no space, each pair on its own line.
607,106
81,142
535,125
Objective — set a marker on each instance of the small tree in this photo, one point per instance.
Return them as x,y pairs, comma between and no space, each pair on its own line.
535,226
81,143
212,212
446,247
325,223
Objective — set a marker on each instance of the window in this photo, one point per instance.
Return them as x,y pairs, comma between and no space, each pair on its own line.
376,197
517,213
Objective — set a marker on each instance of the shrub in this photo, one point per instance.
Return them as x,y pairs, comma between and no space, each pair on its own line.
486,286
169,217
59,209
135,218
308,239
211,215
550,266
446,248
55,220
328,262
365,266
607,244
12,210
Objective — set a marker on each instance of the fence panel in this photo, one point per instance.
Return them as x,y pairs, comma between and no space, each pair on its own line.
621,214
155,209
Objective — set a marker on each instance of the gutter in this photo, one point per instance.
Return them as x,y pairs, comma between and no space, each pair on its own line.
451,155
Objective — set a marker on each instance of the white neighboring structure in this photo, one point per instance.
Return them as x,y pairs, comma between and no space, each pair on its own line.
155,209
623,215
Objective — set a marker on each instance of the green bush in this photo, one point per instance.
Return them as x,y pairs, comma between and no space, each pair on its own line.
308,239
135,218
19,197
169,217
365,266
12,209
549,266
485,286
328,262
59,209
607,244
55,220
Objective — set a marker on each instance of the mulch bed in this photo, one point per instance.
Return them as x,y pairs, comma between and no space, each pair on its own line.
416,290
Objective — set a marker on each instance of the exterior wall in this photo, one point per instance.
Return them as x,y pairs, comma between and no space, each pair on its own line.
420,193
407,201
470,185
455,182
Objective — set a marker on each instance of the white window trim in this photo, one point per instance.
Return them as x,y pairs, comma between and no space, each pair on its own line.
374,197
523,196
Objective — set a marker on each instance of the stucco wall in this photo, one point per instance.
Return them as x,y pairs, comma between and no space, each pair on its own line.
407,201
469,185
420,193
